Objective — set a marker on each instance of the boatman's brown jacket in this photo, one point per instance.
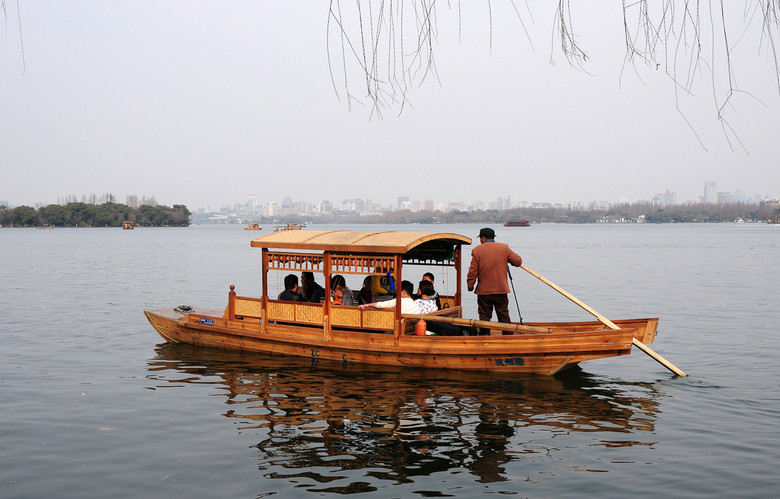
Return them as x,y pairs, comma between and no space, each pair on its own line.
489,268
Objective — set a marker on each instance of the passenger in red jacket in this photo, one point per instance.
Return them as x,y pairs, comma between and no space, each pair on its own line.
488,270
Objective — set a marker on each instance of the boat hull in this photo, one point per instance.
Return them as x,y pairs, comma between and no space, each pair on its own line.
645,330
564,346
517,223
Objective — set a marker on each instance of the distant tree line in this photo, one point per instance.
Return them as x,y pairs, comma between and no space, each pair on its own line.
647,212
714,213
80,214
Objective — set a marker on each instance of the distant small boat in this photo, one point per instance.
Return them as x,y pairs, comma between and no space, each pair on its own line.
517,223
253,227
739,221
128,225
45,227
289,227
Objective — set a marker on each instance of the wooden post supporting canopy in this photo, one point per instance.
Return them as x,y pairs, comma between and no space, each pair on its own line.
608,323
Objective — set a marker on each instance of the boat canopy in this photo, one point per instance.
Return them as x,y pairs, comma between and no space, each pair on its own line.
347,241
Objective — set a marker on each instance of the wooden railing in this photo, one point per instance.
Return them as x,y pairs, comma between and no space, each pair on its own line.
313,314
243,307
340,316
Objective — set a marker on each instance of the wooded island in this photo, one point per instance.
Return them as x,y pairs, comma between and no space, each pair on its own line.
80,214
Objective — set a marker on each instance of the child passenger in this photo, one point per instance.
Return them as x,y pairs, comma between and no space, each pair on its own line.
426,303
433,295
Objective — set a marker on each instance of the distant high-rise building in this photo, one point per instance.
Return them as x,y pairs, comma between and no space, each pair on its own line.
710,192
326,207
725,197
402,200
352,205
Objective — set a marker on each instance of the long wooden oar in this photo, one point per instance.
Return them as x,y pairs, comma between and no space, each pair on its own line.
607,323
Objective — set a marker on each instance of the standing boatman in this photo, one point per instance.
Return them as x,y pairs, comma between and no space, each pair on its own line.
488,270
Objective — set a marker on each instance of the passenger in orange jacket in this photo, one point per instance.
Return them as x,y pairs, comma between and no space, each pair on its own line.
488,270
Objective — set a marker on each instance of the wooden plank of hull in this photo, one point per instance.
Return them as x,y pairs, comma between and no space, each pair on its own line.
645,330
544,354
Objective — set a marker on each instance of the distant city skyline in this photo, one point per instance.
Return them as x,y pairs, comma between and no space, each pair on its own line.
710,194
288,205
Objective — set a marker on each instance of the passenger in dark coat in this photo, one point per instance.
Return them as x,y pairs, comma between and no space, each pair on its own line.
291,289
311,291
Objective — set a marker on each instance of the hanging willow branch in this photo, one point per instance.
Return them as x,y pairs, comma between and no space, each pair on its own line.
390,54
19,19
393,44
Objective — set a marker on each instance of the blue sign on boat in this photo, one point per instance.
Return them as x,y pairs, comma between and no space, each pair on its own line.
209,322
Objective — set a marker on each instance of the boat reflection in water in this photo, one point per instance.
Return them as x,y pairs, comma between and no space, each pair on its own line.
319,417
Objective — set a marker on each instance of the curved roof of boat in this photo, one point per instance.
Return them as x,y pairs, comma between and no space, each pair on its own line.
353,241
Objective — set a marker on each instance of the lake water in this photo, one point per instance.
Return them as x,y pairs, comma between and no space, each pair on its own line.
93,405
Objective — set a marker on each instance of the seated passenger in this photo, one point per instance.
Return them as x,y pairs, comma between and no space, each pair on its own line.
408,306
349,296
339,291
365,295
382,285
311,291
291,289
434,295
425,302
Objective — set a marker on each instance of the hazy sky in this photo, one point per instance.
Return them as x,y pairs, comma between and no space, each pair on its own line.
204,103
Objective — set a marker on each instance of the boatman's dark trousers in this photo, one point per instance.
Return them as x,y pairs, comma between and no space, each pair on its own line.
485,306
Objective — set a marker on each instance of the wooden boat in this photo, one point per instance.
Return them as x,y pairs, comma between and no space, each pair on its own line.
385,336
290,226
517,223
128,225
253,227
